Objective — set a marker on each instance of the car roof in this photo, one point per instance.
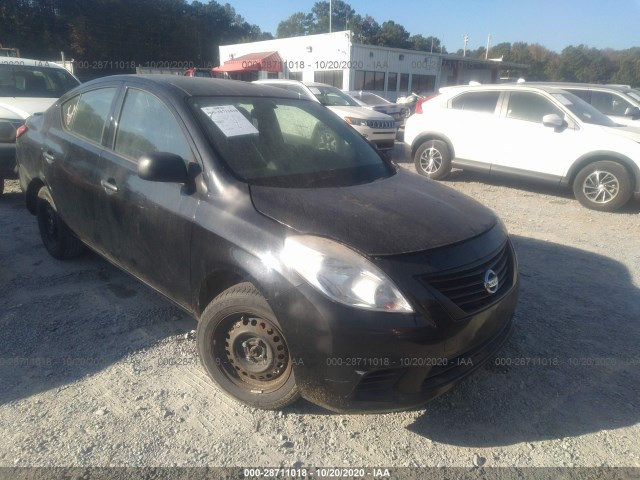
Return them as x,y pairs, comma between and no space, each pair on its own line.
28,62
284,81
619,88
197,87
502,86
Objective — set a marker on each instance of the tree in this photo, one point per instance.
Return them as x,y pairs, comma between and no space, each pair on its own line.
296,25
393,35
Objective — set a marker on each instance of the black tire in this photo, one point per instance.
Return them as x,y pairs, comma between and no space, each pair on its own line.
603,185
433,159
241,345
59,241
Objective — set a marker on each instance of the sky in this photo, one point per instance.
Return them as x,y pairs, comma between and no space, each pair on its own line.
554,24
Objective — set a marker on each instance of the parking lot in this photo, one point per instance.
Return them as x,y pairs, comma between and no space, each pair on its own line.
98,370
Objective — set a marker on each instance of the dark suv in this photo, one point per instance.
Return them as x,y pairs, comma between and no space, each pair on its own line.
314,270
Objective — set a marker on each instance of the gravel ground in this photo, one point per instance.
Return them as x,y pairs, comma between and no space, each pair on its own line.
97,370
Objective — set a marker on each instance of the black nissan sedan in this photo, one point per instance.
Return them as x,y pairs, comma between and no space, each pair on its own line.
314,266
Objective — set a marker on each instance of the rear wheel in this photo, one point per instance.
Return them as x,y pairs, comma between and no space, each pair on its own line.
603,185
56,236
242,347
433,160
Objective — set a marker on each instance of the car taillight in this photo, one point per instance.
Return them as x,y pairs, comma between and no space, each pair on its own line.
21,130
421,101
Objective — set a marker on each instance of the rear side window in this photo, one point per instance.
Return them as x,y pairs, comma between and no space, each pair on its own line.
146,125
484,102
86,115
530,107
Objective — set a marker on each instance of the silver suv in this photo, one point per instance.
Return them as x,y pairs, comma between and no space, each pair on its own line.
618,102
26,87
379,128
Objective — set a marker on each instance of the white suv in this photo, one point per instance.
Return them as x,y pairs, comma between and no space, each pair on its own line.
528,131
378,128
26,87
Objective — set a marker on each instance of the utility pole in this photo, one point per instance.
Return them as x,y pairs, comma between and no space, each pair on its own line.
466,40
486,53
329,16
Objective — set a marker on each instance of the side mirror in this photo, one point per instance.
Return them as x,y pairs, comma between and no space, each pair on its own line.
163,167
554,121
632,112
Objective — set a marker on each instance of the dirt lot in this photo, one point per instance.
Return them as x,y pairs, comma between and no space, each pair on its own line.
97,370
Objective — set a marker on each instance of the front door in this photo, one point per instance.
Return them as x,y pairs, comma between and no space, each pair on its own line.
149,224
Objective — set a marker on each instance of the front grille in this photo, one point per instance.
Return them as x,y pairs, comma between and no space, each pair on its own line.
466,288
381,124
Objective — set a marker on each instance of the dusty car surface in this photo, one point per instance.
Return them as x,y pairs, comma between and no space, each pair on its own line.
323,273
26,86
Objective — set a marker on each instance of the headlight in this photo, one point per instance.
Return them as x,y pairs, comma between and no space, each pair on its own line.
342,274
359,122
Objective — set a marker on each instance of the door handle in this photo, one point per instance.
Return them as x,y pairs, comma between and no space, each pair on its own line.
48,157
109,185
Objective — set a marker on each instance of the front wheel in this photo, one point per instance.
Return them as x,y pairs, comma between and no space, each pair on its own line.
603,185
242,347
433,160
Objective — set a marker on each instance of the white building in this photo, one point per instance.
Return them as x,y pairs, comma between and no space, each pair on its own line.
333,58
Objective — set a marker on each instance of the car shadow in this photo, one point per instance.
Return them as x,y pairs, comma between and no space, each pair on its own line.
571,368
62,321
465,176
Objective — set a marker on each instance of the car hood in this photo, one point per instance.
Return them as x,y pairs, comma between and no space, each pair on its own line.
405,213
359,112
19,108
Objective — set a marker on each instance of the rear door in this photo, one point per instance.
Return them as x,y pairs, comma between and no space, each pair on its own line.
470,123
71,159
148,225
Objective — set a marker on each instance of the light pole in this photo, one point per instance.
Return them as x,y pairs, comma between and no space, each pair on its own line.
329,16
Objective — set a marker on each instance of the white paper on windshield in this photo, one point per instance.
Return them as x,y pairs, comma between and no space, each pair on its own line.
315,90
563,100
229,120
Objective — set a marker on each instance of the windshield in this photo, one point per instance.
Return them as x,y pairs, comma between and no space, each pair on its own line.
38,82
332,97
287,142
584,111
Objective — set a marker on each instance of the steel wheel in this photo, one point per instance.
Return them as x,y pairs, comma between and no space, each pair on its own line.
241,345
253,352
601,187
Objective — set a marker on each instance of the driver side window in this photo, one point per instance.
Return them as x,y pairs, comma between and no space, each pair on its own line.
147,125
530,107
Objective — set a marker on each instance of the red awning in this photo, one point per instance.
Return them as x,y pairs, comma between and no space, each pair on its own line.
253,62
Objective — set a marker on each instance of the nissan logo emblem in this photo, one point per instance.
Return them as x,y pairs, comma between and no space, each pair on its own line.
491,281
